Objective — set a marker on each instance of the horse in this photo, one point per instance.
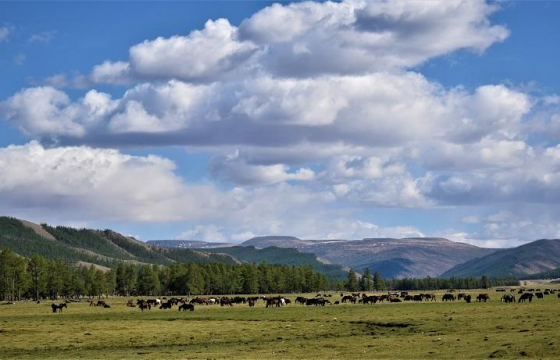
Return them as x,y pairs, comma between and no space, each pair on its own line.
166,305
252,302
524,297
509,298
130,303
92,303
482,297
58,307
144,305
448,297
186,307
539,295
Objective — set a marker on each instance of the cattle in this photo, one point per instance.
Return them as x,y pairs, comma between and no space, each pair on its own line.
58,307
524,297
448,297
520,291
404,294
509,298
106,306
468,298
482,297
539,295
408,298
317,302
394,299
92,303
460,296
417,297
186,307
338,302
252,302
130,303
101,303
143,305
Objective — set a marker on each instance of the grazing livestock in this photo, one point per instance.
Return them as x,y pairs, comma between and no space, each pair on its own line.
186,307
143,305
58,307
166,305
460,296
252,302
417,297
431,297
539,295
468,298
92,303
500,290
349,298
370,299
509,298
130,303
448,297
394,299
301,300
106,306
524,297
338,302
482,297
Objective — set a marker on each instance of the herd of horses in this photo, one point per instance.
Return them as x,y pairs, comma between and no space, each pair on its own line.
184,304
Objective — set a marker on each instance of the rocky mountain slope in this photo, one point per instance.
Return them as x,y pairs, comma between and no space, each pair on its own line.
411,257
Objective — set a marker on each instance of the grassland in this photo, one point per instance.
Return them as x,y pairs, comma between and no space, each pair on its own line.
431,330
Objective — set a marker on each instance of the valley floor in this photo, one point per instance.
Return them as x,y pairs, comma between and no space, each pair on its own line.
389,330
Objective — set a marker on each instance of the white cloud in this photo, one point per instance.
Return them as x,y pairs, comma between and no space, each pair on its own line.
43,37
5,32
209,233
210,54
76,183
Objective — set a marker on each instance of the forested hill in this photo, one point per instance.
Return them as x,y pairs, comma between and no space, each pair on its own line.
532,258
280,256
105,248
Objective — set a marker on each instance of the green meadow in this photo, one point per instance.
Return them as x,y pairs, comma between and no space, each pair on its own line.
407,330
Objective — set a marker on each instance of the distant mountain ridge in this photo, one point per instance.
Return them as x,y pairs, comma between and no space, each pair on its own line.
189,244
409,257
532,258
250,254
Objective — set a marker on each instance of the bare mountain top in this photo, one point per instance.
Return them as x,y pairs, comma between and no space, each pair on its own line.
189,244
410,257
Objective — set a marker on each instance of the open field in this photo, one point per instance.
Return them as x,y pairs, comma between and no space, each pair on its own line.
388,330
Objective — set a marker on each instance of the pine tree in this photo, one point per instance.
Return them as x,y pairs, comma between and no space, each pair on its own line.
352,281
378,282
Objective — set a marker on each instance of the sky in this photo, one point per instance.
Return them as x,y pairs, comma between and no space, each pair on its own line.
225,120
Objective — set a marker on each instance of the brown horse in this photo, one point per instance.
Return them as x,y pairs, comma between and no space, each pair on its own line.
58,307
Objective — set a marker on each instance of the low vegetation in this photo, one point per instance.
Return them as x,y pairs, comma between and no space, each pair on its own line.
410,330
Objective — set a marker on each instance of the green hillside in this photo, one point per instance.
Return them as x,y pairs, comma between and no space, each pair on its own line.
106,248
528,259
284,256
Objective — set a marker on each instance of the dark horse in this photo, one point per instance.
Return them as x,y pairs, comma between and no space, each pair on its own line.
186,307
58,307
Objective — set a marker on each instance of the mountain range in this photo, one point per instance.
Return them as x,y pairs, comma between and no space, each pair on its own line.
393,258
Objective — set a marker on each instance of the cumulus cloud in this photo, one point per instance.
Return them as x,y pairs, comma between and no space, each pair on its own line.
84,183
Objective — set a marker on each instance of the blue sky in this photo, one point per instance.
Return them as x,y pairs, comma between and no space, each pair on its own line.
342,120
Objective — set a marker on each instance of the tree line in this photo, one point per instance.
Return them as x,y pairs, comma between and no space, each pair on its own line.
368,282
40,278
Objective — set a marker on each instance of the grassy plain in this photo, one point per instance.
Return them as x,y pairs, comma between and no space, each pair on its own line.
405,330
